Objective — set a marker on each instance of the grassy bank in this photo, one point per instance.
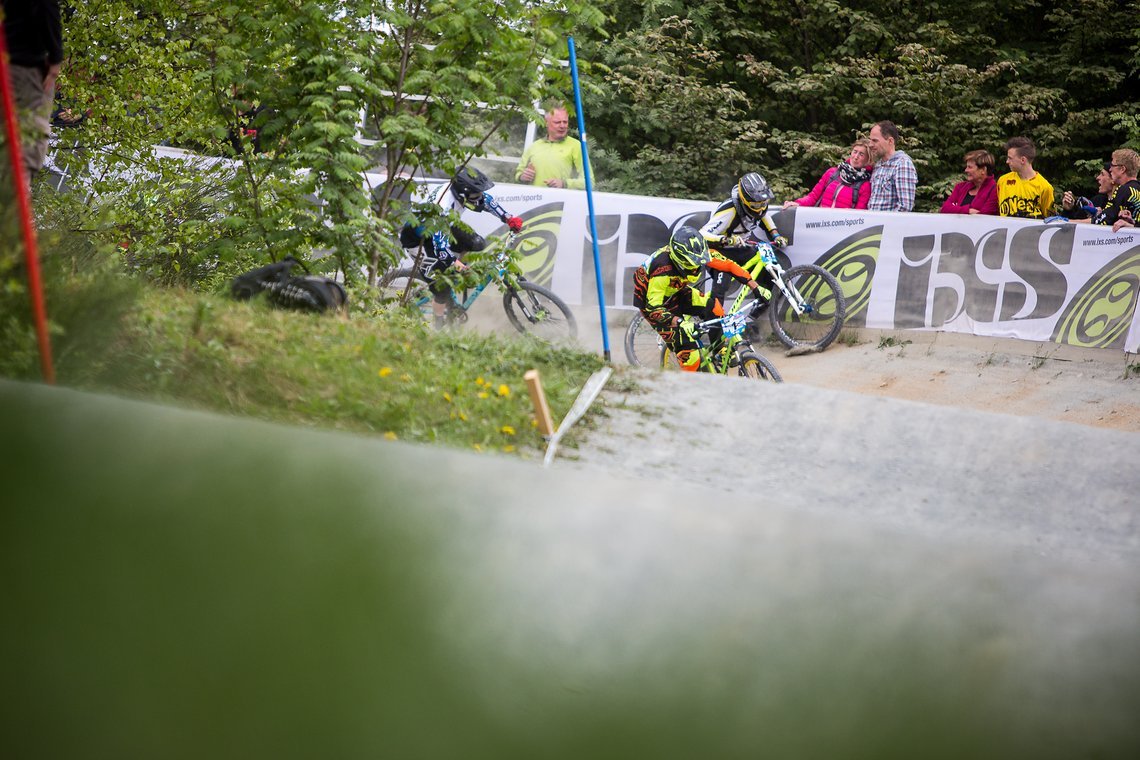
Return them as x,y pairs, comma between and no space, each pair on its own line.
389,376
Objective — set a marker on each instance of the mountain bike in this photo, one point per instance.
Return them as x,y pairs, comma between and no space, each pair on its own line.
732,350
806,313
530,308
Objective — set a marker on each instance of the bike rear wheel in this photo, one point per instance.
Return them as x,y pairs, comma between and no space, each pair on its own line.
821,322
642,343
534,309
757,367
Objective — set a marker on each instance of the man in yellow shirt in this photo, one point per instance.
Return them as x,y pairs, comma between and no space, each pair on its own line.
555,160
1023,192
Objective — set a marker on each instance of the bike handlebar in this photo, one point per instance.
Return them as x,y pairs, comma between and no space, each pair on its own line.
741,315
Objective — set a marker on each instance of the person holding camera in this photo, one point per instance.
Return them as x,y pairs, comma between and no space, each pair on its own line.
1082,209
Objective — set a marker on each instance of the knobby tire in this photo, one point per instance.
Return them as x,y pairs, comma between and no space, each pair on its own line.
819,328
533,309
642,344
757,367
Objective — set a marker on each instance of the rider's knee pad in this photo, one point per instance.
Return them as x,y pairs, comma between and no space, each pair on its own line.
690,360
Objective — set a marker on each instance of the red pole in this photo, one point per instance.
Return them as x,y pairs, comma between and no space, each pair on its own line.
31,252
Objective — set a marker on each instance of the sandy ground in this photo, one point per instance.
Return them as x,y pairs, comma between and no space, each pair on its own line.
1007,376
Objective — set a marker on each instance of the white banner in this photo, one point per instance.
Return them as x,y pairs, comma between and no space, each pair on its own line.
992,276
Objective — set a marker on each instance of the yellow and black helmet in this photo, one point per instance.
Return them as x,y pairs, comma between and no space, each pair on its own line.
688,250
754,194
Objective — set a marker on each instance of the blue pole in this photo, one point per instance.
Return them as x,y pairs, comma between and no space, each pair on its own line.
589,198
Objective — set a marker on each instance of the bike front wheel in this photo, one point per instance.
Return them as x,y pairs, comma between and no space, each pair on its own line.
824,313
757,367
534,309
642,343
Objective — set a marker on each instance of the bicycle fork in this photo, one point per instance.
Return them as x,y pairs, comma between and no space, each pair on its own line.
798,303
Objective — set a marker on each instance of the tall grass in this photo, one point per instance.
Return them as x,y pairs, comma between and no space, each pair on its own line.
390,375
384,374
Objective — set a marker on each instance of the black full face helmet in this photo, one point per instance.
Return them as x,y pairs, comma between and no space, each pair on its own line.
754,194
468,186
688,250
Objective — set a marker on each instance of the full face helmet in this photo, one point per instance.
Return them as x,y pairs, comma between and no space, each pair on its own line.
468,186
754,194
688,250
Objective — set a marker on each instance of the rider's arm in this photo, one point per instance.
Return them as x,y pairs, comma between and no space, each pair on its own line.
655,313
722,220
721,264
769,227
490,204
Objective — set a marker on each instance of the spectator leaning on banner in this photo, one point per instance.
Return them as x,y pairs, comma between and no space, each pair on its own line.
555,160
978,194
894,179
34,35
847,185
1023,192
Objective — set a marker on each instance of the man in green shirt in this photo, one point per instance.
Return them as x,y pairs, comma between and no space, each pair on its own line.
555,160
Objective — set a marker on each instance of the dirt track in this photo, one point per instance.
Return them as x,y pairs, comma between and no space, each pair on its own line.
932,433
1008,376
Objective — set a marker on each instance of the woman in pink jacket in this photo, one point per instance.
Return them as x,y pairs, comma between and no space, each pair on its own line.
978,194
845,186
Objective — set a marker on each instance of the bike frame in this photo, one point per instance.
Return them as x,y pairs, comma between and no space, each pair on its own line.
732,326
769,261
502,274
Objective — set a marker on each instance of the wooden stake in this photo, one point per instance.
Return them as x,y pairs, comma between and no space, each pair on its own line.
538,398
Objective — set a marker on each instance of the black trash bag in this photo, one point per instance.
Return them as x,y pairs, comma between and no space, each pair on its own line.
307,293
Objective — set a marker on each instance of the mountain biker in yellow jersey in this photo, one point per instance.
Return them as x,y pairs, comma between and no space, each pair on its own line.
741,216
664,290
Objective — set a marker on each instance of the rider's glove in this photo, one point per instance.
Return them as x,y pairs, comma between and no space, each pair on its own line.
687,327
780,241
514,223
732,241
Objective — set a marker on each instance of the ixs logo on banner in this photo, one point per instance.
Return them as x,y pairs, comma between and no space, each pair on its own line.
853,261
1023,279
538,242
1101,313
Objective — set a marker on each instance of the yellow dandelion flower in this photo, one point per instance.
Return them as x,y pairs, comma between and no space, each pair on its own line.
504,391
463,416
484,394
477,447
390,435
508,448
507,430
447,397
480,381
406,378
534,423
384,371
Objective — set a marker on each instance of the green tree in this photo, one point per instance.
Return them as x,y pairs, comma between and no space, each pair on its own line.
204,75
426,66
815,73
